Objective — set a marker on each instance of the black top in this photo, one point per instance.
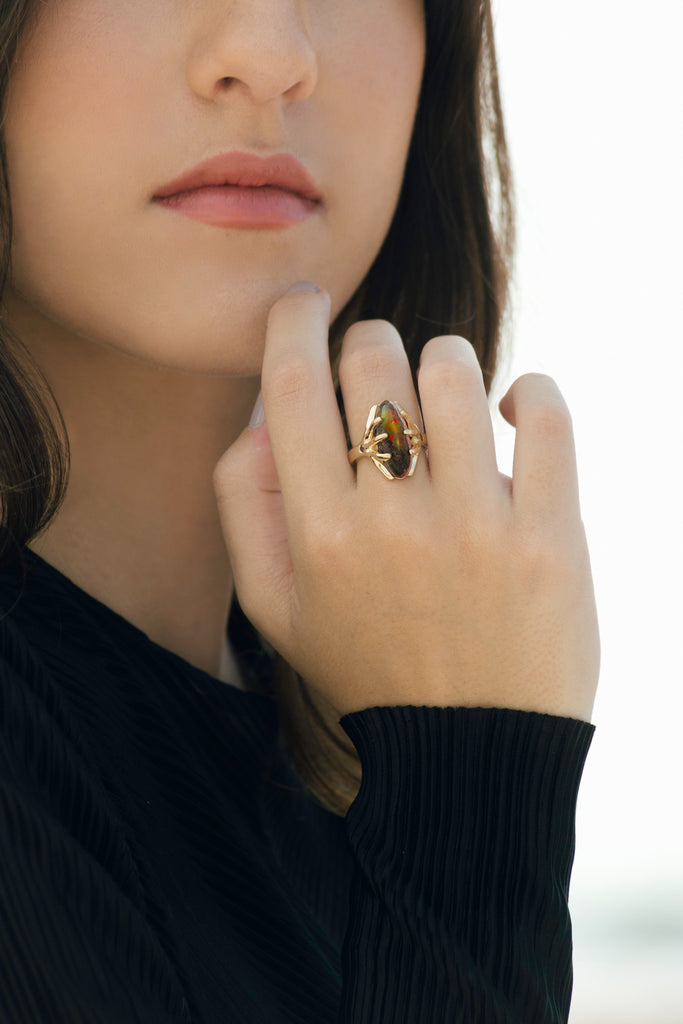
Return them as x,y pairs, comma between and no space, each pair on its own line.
160,859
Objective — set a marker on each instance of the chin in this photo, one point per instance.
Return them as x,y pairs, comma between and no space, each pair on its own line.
209,339
209,334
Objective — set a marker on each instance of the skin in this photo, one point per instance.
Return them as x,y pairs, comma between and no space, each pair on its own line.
151,327
457,586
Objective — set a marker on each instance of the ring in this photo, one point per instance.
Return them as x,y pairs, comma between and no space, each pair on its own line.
391,440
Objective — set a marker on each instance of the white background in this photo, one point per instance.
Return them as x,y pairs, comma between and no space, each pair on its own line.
592,97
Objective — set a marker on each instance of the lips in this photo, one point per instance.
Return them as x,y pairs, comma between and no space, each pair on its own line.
281,171
244,191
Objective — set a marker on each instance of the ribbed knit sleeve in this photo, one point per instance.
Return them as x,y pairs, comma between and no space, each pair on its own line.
463,837
162,861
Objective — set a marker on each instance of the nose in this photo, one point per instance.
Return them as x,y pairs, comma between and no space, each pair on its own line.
259,46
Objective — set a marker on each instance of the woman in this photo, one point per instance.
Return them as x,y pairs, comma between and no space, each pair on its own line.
185,836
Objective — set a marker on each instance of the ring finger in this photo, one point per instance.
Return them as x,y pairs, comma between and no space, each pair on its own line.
373,368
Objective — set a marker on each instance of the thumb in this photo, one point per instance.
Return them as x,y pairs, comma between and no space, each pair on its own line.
252,518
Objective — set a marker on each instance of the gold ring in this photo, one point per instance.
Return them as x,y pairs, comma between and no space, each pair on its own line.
391,440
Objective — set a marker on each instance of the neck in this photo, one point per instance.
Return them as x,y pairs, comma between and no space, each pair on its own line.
139,527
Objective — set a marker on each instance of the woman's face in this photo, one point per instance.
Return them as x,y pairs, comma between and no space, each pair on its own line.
111,99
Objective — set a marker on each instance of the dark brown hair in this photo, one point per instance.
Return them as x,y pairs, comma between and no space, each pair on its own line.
444,268
34,450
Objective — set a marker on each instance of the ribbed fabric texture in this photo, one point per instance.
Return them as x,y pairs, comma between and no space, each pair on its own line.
161,861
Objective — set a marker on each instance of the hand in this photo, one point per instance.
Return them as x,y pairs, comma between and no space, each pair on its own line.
456,586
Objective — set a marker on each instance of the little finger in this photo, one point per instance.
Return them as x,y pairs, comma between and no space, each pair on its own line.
544,475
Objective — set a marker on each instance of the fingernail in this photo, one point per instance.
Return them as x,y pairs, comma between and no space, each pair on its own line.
258,417
303,286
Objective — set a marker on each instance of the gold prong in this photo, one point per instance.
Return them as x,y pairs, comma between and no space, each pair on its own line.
417,442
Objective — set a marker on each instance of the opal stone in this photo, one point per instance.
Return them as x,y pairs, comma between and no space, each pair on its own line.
396,444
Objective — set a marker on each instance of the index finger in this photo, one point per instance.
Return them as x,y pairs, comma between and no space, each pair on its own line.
305,428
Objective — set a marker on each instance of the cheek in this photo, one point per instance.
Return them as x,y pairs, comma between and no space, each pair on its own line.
374,88
376,78
68,105
79,60
85,140
78,86
379,67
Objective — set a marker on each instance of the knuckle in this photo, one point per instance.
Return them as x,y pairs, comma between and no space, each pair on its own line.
450,346
550,420
293,380
412,536
443,377
543,399
368,364
477,541
542,382
364,331
322,540
369,351
226,469
541,553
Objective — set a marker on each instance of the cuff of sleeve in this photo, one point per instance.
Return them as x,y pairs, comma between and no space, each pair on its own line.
484,797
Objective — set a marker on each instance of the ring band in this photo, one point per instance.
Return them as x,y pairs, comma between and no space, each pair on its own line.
391,440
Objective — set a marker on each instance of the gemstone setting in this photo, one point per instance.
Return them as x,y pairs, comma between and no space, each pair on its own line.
391,440
396,444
